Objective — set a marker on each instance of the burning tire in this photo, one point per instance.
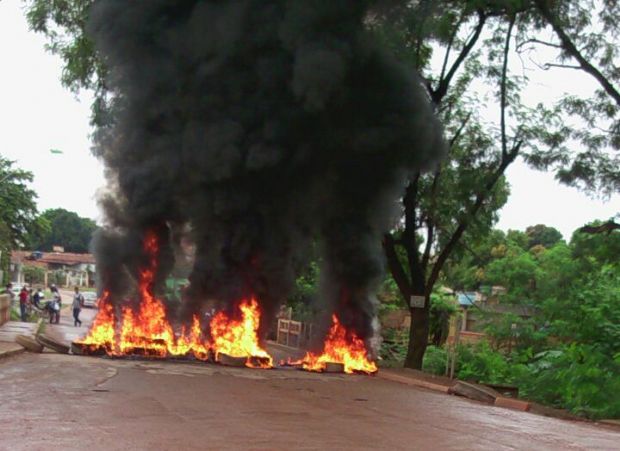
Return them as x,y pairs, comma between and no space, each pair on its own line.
53,344
90,350
29,343
229,360
334,367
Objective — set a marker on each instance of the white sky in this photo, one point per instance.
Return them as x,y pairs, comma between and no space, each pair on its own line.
37,114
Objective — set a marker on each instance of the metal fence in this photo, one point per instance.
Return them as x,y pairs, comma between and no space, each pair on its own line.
294,333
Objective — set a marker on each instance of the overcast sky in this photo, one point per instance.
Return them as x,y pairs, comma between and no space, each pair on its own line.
37,114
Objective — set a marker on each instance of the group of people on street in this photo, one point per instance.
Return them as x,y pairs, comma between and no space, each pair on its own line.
29,298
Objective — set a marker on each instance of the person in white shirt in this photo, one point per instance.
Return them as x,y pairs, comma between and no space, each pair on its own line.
55,305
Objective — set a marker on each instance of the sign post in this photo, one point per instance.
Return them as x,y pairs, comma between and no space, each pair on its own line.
417,301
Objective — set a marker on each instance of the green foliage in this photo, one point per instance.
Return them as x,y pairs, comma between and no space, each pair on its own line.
543,235
567,353
17,204
586,36
482,364
577,377
305,291
388,294
435,360
442,308
512,333
516,271
593,250
518,238
58,277
34,274
394,344
18,209
66,229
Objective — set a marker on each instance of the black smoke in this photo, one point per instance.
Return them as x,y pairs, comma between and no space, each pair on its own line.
264,125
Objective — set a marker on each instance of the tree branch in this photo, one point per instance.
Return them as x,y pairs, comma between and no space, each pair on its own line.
409,234
458,132
503,87
537,41
430,231
396,268
464,223
607,227
438,94
548,66
449,48
569,46
430,222
507,158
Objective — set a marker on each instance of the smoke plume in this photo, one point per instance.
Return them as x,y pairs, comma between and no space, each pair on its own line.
264,125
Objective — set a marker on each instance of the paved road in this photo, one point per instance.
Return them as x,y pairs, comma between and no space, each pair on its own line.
52,401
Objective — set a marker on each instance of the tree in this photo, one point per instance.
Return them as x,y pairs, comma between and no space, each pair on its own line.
66,229
459,200
586,40
64,24
542,235
606,227
18,209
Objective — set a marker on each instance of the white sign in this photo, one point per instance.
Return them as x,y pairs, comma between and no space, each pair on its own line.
417,301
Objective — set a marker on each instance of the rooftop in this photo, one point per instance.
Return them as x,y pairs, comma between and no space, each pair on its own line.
62,258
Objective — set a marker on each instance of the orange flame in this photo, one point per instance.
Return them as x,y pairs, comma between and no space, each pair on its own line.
102,330
341,346
147,331
238,338
193,342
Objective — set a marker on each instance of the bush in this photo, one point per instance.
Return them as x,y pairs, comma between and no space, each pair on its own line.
34,275
577,377
482,364
435,360
394,344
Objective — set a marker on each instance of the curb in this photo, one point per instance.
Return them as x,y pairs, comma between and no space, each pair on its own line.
610,422
511,403
477,392
11,352
384,374
39,327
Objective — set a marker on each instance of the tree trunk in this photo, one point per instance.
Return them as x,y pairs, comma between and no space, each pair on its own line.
418,336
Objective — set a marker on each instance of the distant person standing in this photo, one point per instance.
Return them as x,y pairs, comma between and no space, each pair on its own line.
55,305
78,302
24,295
9,290
37,298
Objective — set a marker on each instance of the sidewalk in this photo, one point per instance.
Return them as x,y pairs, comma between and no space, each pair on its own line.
12,329
479,393
8,332
10,349
442,384
416,378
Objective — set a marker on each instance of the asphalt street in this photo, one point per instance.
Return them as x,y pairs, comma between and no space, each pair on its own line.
63,402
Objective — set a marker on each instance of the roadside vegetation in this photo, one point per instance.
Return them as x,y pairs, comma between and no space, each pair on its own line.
566,352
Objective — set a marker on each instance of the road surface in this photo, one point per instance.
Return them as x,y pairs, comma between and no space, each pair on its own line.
64,402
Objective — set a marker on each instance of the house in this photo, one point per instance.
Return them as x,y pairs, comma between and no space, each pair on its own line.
63,268
478,309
